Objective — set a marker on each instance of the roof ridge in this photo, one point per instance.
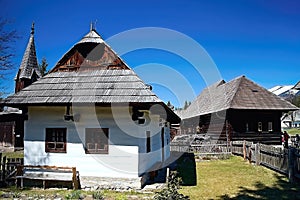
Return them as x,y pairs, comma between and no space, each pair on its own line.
239,79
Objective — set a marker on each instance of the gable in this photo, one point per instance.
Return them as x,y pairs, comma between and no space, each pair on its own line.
89,56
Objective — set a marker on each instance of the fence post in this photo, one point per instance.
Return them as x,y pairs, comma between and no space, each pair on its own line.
257,154
244,150
291,160
3,168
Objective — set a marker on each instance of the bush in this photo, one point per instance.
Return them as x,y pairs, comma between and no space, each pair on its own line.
98,195
75,194
171,191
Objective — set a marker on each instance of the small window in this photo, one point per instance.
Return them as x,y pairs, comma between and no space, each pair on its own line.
148,142
259,127
56,140
247,127
96,140
270,126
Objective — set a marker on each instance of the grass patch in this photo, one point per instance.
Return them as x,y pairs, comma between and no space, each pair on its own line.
36,193
16,154
293,131
236,179
233,178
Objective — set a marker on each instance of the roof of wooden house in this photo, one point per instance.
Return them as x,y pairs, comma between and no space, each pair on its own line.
29,64
239,93
90,72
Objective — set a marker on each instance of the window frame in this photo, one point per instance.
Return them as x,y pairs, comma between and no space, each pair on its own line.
55,143
259,127
95,150
270,126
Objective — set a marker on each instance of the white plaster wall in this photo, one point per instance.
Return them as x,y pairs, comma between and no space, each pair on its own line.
122,160
127,149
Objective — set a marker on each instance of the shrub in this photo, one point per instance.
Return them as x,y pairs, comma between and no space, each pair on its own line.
98,195
16,194
171,191
75,194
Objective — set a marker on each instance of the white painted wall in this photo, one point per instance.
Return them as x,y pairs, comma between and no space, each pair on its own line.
126,158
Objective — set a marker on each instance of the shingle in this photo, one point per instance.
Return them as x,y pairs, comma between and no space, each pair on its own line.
239,93
91,87
29,63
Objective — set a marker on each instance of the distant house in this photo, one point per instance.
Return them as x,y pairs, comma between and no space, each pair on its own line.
237,110
286,120
296,119
94,113
12,119
291,119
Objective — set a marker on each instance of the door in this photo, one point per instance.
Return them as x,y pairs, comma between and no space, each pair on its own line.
162,144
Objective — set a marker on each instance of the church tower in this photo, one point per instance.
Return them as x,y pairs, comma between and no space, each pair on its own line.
29,71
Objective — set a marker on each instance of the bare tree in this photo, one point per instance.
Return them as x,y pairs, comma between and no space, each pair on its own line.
7,38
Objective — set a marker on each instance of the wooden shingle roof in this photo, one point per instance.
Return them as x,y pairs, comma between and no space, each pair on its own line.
97,86
239,93
90,72
29,63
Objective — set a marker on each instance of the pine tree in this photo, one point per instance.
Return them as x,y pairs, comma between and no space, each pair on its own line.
186,105
43,67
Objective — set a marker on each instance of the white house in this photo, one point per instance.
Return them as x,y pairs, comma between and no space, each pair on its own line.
288,92
92,112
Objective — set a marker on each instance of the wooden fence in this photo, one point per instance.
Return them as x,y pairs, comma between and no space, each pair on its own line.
285,161
202,149
8,168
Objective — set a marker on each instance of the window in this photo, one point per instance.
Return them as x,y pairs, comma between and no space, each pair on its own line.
148,142
270,126
56,139
259,128
96,140
247,127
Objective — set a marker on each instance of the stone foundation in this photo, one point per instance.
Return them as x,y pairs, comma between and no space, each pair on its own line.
107,183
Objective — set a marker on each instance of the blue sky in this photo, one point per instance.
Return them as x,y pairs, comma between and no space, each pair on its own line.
256,38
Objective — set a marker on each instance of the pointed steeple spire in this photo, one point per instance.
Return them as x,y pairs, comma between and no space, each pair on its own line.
32,29
29,71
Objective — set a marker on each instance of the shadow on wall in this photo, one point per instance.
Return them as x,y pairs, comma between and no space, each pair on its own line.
36,156
282,190
185,165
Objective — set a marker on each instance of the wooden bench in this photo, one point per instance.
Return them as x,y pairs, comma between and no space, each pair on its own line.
47,174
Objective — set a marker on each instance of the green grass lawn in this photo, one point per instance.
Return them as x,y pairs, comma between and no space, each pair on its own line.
35,193
293,131
233,178
16,154
236,179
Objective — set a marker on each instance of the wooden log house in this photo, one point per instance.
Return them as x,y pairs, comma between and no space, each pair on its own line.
236,110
